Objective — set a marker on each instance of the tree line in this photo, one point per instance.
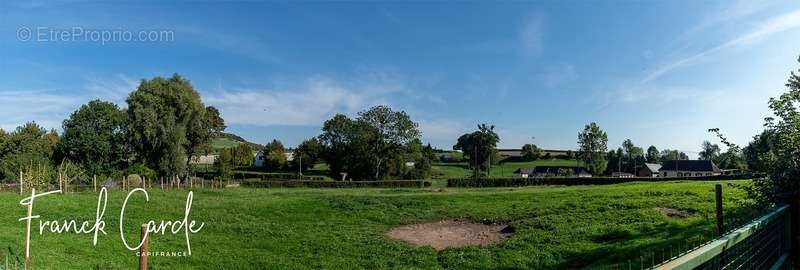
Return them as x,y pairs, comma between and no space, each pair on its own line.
164,125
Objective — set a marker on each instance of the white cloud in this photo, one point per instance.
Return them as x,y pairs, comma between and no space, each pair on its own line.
115,88
307,103
765,29
531,36
47,108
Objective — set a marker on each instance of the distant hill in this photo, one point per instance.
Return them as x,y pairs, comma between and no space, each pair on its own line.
229,140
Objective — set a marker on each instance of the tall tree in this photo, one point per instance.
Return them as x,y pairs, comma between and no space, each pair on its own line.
667,154
363,148
479,147
163,115
652,154
339,137
28,146
201,131
709,151
531,151
388,132
307,154
94,137
592,145
275,156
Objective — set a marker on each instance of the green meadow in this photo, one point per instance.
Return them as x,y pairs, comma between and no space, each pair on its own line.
555,227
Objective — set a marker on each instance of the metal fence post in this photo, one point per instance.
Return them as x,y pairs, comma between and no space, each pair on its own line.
720,224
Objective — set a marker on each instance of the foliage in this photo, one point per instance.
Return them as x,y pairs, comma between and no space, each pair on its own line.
28,145
224,164
167,123
94,137
531,152
777,150
592,145
479,147
141,170
376,145
275,157
652,155
709,151
134,180
572,181
667,154
308,153
338,184
243,155
70,172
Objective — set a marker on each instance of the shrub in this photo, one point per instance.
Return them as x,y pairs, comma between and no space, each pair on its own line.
570,181
338,184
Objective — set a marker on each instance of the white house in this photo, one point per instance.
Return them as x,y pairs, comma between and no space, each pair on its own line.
260,158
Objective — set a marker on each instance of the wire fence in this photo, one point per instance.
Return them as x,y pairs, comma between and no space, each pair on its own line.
758,243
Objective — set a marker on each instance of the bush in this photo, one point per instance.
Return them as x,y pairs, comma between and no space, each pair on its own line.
570,181
338,184
134,180
277,176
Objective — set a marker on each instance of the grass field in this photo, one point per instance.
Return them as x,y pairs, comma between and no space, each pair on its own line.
443,170
220,143
556,227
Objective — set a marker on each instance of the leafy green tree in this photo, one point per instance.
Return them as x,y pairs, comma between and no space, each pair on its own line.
225,163
201,131
592,145
667,154
29,145
94,137
759,155
652,155
387,133
308,153
373,146
479,147
243,154
166,123
340,138
275,155
531,152
709,151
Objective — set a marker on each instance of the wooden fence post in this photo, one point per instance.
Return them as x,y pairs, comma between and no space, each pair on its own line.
94,182
28,233
60,184
144,248
20,182
162,183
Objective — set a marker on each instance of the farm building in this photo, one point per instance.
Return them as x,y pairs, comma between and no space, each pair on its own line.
203,160
261,158
649,170
686,168
516,153
544,171
622,175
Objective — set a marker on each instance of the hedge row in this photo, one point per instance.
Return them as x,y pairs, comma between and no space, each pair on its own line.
338,184
570,181
276,176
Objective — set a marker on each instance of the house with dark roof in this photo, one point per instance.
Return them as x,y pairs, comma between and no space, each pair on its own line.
689,168
549,171
649,170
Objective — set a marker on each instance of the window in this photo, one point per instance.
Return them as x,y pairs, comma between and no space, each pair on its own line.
680,174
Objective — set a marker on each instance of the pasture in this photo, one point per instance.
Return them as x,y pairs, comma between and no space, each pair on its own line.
555,227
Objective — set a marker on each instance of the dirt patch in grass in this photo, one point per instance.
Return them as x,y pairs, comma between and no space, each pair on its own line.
451,233
675,213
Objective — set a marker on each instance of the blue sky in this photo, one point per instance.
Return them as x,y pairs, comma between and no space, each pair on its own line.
658,72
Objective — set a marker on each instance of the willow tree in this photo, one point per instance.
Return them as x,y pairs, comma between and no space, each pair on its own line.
169,123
